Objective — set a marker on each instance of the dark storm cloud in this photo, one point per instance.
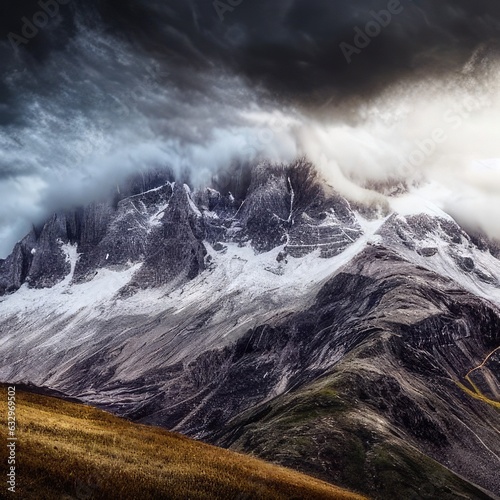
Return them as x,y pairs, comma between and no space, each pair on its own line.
290,46
293,46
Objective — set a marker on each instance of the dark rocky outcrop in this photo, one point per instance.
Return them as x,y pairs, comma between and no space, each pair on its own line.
14,270
49,264
174,248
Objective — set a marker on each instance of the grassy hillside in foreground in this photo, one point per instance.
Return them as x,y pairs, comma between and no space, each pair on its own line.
66,450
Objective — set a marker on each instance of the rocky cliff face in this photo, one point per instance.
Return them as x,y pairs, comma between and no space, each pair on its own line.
405,339
280,322
164,229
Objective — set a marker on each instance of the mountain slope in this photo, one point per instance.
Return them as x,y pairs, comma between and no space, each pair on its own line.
397,396
67,450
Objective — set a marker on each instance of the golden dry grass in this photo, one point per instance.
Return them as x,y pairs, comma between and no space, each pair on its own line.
66,450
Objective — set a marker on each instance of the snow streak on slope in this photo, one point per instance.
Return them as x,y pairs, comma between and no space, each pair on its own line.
154,327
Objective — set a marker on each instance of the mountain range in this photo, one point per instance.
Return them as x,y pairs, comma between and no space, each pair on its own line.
269,315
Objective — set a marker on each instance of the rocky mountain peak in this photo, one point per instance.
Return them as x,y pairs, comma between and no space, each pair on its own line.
166,229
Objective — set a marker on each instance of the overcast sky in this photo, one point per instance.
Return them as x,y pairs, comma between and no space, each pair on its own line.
106,88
